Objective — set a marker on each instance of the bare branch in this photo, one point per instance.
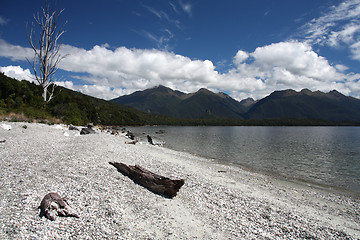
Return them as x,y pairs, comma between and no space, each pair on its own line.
51,92
46,49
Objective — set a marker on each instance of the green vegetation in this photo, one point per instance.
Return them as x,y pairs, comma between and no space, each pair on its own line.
22,100
21,97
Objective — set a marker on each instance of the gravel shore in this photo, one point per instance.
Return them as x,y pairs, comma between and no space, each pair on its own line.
216,201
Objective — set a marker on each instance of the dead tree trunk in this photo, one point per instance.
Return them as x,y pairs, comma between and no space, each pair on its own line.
155,183
46,49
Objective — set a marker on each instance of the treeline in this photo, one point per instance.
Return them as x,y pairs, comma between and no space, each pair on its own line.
21,97
255,122
70,107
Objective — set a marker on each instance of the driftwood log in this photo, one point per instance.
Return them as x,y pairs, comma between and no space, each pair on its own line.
53,205
155,183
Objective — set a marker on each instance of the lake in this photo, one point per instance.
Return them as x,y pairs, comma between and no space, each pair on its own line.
325,156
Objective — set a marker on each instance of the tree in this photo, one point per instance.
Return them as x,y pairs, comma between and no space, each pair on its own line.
46,49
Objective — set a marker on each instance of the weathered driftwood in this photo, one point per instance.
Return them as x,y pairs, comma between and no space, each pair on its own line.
150,140
132,142
155,183
53,205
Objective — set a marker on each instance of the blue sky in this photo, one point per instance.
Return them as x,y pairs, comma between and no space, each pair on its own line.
246,48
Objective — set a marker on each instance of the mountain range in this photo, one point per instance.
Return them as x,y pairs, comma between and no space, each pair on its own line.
21,100
202,104
285,104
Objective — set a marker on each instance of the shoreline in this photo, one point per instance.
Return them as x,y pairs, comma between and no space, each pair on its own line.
296,181
216,202
340,188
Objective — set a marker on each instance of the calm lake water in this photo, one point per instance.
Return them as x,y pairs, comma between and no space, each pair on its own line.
328,156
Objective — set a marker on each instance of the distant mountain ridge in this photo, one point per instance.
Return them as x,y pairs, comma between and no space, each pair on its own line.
332,106
285,104
201,104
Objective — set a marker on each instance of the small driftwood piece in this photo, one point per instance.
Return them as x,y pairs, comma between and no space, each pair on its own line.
155,183
132,142
53,205
150,140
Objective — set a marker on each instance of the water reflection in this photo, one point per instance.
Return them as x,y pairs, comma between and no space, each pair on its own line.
325,155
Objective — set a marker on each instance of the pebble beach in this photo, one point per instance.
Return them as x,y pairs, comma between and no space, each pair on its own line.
216,202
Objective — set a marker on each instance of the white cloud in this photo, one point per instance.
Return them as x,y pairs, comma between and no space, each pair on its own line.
18,73
296,58
346,11
103,92
100,91
67,84
158,13
285,65
162,40
174,7
240,57
107,73
346,35
15,52
135,68
355,49
336,27
341,68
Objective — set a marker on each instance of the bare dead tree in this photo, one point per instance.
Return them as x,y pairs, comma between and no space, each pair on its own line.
46,49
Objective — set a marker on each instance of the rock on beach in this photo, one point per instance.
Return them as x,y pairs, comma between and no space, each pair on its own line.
216,201
6,126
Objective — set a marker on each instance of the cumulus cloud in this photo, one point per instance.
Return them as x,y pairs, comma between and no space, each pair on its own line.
296,58
286,65
67,84
108,73
18,73
136,68
103,92
15,52
240,57
100,91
